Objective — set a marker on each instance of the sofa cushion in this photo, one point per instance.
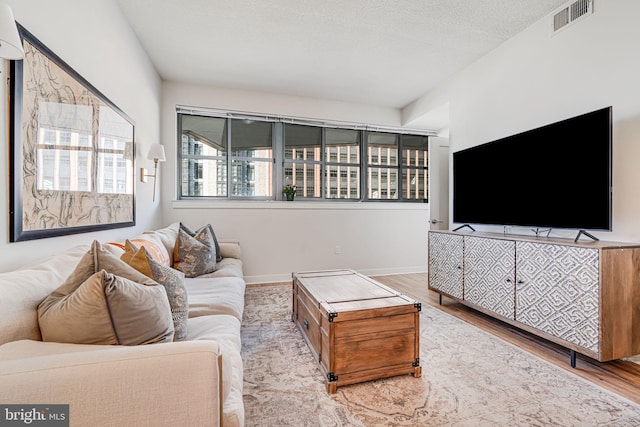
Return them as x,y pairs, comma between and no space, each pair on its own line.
195,255
221,328
225,330
107,309
228,267
207,296
23,289
105,301
230,249
172,280
233,406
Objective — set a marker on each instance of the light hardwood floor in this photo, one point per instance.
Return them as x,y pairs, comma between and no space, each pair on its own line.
619,376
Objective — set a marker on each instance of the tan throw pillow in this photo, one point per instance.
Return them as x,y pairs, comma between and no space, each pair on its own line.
195,255
190,232
172,280
105,301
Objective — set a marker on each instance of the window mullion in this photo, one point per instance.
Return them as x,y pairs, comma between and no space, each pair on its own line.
229,157
278,158
323,165
179,158
364,155
400,181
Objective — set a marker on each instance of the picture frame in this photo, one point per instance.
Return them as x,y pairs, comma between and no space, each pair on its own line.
72,154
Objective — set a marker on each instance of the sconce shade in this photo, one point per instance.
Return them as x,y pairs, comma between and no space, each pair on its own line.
156,152
10,44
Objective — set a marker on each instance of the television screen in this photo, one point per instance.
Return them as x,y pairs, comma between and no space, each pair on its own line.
555,176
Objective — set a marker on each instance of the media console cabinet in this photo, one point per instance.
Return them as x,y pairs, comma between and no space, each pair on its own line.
584,296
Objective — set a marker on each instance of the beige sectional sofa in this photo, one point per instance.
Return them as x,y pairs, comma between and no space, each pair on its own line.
197,382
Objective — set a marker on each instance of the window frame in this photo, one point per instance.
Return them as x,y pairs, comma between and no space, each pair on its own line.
295,161
231,158
278,146
406,167
180,157
360,166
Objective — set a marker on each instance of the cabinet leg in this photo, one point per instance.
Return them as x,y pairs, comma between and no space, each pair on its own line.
440,299
417,371
573,358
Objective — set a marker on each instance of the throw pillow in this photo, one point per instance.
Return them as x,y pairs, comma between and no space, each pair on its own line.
215,239
155,248
195,255
172,280
167,236
105,301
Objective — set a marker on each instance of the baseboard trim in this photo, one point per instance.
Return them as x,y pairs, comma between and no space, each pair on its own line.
286,277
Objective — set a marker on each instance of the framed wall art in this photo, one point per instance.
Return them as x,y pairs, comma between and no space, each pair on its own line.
71,151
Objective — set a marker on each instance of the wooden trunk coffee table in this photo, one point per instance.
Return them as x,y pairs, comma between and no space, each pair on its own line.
357,329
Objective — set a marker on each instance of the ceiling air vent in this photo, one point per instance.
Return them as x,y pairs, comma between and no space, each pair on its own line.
572,13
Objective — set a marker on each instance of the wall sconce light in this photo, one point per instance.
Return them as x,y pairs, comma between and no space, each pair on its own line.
156,153
10,43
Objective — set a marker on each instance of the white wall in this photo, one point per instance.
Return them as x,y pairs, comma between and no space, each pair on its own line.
536,78
278,238
94,39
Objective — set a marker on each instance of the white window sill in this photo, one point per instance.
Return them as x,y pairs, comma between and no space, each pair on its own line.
297,204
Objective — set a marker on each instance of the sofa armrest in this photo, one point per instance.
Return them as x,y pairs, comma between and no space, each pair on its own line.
230,248
157,384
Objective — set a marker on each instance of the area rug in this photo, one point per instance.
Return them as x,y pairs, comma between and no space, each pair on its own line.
469,378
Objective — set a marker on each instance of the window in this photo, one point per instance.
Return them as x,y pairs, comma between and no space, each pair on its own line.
343,166
203,154
233,157
251,158
382,165
415,168
303,159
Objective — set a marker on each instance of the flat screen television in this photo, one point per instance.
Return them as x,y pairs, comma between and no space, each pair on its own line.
555,176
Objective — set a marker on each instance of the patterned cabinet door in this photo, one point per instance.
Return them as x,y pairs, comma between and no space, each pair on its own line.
445,263
557,291
489,274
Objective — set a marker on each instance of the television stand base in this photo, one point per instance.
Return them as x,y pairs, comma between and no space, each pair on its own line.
537,231
464,226
581,232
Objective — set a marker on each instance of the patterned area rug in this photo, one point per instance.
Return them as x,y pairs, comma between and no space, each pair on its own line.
469,378
634,359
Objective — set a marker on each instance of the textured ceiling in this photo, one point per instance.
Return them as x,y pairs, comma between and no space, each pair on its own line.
376,52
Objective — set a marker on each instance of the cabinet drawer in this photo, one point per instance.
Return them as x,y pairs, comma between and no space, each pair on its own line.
308,324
